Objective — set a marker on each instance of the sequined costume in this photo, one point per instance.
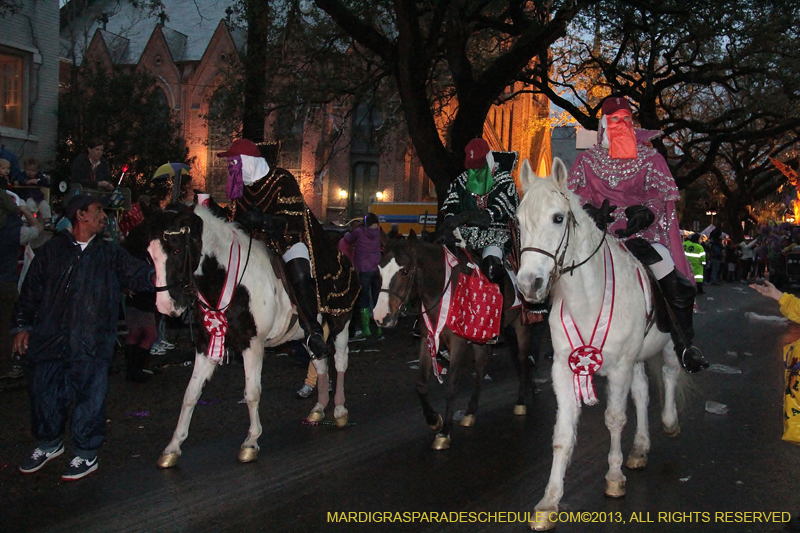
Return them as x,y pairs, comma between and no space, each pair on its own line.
278,194
501,202
645,180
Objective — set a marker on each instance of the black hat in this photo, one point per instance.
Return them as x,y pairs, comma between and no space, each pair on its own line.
82,202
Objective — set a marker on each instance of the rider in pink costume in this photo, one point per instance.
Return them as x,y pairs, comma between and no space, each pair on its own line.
634,189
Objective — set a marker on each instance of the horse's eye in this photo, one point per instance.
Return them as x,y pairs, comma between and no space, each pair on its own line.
176,251
558,218
404,272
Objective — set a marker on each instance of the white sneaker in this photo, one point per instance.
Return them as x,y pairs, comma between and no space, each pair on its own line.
166,345
305,391
157,350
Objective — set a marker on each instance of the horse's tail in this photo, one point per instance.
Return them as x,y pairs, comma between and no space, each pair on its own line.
685,389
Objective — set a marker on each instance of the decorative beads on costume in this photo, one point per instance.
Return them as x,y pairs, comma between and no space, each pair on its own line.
501,203
615,171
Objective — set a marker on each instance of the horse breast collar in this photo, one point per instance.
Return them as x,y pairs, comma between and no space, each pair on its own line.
587,358
214,319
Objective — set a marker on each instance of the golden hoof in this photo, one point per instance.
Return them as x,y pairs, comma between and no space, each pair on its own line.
341,422
441,442
468,421
247,455
315,416
520,410
167,460
636,463
439,424
674,433
541,525
615,489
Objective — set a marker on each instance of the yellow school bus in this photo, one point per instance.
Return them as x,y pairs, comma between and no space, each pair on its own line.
407,215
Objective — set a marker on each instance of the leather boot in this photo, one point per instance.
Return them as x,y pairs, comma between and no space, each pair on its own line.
492,268
133,364
305,292
679,294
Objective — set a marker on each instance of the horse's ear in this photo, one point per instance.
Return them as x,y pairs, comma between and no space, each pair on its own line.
526,175
560,173
412,237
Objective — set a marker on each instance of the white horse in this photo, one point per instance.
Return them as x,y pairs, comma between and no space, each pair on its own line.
566,257
192,251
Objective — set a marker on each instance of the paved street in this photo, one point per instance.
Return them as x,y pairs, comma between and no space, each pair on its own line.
719,464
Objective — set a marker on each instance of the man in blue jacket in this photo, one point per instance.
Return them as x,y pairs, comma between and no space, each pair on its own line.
66,322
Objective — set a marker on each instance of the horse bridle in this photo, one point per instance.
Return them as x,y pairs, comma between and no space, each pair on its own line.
403,309
559,269
188,286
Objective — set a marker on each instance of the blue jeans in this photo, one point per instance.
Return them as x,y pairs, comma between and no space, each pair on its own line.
370,288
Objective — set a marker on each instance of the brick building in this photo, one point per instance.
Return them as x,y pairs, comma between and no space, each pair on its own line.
188,52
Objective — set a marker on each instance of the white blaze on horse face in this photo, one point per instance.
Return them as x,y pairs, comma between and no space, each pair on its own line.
164,302
382,310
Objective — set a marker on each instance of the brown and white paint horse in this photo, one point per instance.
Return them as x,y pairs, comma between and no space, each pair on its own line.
413,271
191,250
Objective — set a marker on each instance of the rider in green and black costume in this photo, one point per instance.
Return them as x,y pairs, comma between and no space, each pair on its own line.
480,203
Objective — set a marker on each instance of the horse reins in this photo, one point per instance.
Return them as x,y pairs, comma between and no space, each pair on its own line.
403,309
558,259
185,230
189,288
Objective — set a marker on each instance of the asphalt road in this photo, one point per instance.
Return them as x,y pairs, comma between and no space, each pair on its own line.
496,470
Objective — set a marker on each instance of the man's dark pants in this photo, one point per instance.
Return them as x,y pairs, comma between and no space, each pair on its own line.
8,297
53,386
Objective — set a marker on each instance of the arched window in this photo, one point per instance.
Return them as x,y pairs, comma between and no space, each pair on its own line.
219,139
162,110
364,158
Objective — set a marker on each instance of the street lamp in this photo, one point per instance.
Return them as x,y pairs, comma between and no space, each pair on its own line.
711,213
342,194
379,196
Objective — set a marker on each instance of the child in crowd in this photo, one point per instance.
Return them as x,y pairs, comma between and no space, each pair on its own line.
5,172
34,198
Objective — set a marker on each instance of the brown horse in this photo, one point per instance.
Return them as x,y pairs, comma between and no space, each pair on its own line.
413,271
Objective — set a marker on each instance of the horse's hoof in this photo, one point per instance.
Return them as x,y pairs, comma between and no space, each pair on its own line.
636,463
341,422
247,455
540,521
615,489
672,433
441,442
521,410
437,427
468,421
315,416
168,460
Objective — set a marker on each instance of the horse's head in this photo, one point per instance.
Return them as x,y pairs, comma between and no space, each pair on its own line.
544,219
175,246
397,271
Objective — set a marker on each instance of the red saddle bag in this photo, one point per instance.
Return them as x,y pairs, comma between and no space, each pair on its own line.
477,308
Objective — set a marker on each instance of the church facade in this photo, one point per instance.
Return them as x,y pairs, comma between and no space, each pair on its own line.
188,53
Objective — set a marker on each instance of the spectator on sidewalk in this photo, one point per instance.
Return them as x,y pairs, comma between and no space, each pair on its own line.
66,325
12,235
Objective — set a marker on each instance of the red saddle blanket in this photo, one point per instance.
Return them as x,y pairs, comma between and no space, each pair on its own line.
476,309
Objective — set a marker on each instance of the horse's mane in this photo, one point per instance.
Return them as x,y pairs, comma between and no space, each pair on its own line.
217,241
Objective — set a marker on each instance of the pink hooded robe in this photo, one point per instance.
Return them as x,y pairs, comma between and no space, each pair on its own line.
645,180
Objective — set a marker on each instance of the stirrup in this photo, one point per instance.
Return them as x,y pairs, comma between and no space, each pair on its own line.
692,360
317,347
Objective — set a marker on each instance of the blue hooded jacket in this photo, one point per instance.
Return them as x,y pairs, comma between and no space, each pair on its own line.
70,298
